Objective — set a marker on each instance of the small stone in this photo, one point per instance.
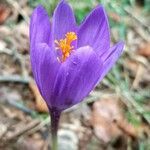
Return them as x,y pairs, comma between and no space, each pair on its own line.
3,129
67,140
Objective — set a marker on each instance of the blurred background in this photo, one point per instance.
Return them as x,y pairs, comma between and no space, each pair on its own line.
115,116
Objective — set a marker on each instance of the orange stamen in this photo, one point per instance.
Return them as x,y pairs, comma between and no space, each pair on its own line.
65,44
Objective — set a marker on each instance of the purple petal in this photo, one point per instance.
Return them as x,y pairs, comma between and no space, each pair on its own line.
63,21
76,78
39,27
111,57
94,31
45,68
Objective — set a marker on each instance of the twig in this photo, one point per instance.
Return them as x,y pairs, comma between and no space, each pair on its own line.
39,126
141,33
17,56
6,51
130,13
19,9
18,133
21,107
127,97
15,78
138,77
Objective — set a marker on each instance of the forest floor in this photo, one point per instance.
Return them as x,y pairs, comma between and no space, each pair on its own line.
115,116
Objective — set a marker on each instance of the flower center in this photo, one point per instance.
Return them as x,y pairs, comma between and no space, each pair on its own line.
65,44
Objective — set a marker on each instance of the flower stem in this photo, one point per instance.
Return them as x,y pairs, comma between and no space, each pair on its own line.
55,116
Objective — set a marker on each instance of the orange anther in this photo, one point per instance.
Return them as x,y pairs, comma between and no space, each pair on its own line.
65,44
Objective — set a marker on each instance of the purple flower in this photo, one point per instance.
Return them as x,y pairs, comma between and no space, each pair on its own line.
69,60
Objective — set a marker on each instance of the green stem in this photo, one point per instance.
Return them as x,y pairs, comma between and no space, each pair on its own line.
55,116
54,143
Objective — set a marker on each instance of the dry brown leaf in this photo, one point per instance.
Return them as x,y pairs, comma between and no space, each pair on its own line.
40,103
3,129
4,13
132,65
145,50
31,144
146,76
115,16
139,76
127,128
21,38
106,113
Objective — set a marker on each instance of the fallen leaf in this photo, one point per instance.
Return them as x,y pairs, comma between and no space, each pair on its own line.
21,38
104,113
109,122
131,65
4,31
40,103
4,13
145,50
31,144
115,16
146,76
2,45
139,76
127,128
3,129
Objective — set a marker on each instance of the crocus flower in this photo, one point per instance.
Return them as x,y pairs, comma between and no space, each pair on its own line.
68,60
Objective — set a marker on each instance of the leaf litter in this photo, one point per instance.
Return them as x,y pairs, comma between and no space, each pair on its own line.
108,122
